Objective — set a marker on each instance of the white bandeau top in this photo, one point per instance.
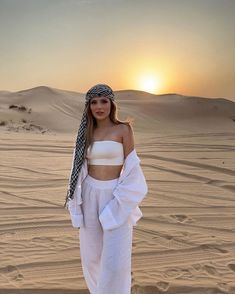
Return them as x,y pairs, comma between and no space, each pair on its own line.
105,152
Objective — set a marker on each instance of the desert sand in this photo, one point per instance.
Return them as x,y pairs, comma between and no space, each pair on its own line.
185,242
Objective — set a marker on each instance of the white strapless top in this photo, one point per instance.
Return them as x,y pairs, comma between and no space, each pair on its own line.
105,152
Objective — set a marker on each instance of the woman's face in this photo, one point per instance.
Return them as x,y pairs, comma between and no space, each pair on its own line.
100,107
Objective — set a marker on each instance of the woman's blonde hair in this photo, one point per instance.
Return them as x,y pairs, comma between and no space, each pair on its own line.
92,122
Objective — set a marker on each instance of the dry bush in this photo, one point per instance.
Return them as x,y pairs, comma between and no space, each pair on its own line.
3,123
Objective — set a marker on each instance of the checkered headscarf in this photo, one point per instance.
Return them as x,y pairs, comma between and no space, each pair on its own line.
97,90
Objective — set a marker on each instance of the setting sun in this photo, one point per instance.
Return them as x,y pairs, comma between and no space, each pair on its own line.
149,84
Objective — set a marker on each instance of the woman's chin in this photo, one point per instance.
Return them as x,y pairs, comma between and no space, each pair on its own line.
100,117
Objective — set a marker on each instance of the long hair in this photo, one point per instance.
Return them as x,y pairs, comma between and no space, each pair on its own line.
92,124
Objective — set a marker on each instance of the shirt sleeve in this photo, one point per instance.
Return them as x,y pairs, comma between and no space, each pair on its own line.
76,214
127,195
75,208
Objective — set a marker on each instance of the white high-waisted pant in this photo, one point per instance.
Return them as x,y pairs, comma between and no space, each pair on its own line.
105,255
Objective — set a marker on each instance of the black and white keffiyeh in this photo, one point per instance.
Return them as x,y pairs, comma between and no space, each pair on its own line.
96,91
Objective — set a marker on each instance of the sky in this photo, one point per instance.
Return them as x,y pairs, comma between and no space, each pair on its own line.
171,46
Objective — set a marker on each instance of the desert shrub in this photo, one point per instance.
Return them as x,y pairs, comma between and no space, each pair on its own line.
3,123
22,108
13,106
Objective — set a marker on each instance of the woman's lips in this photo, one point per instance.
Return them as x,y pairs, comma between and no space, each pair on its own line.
99,112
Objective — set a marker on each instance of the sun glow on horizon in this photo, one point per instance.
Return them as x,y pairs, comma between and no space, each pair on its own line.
149,83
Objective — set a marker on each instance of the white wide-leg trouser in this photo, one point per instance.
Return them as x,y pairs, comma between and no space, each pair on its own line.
105,254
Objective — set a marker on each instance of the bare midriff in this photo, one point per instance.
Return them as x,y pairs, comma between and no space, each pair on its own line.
104,172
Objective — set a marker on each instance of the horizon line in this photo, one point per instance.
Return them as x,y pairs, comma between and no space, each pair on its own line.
136,90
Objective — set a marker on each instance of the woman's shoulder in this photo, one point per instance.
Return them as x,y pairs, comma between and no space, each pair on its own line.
127,138
125,128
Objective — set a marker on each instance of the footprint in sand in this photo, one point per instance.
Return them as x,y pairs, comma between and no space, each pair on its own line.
12,272
213,248
19,277
211,270
163,286
8,269
180,217
231,266
224,287
136,289
172,273
186,274
197,266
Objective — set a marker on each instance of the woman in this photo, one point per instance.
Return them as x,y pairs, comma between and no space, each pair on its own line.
106,185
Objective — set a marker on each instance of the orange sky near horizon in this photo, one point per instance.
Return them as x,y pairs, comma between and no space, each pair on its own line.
182,46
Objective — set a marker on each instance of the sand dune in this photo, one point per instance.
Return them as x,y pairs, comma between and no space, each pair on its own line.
59,112
185,243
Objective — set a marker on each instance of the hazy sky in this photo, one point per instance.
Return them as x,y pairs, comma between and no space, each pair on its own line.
180,46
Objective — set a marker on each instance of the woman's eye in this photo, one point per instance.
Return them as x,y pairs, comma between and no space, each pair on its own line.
103,101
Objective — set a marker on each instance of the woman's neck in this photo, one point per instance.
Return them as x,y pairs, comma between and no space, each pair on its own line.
104,123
